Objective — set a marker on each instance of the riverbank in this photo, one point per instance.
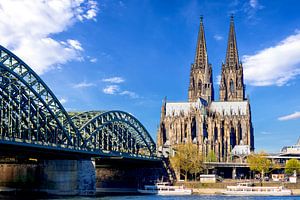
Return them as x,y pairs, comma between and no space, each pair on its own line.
217,188
218,191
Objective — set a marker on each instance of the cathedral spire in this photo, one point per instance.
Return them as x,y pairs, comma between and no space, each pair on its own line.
232,58
201,71
232,81
201,54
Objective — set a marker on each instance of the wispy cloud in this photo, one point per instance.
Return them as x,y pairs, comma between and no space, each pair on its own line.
114,88
130,94
111,89
116,79
249,8
275,65
63,100
218,37
93,60
26,28
253,3
295,115
218,79
265,133
83,84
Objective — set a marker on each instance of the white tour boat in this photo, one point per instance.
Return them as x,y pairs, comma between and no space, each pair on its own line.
246,189
164,188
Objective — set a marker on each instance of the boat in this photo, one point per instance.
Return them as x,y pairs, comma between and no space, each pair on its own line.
164,188
247,189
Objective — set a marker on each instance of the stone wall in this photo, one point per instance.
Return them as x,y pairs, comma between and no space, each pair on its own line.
19,175
59,177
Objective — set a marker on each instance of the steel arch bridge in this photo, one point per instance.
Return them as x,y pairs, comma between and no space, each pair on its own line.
31,115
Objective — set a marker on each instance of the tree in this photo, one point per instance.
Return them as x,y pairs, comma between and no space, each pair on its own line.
211,157
291,166
259,163
197,164
187,160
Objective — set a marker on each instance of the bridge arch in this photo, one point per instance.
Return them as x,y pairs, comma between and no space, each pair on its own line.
30,112
116,131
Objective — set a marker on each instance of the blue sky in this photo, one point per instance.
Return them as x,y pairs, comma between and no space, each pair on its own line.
129,55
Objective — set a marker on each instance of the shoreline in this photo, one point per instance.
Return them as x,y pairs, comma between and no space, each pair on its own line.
218,191
120,191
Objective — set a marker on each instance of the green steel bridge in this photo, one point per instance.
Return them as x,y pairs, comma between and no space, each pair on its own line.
33,119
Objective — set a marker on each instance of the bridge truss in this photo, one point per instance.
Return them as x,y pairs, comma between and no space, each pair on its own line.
31,115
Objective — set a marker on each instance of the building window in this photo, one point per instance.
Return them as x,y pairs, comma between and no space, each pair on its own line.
199,85
231,86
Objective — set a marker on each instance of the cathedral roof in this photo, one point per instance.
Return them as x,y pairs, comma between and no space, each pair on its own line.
183,107
229,107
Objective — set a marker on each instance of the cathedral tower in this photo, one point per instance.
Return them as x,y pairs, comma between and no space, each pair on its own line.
232,81
201,72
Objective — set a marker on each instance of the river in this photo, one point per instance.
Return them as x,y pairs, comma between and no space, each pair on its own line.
153,197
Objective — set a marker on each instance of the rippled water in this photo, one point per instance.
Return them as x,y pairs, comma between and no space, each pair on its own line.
153,197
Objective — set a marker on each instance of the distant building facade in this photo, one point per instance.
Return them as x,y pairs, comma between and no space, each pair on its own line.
216,126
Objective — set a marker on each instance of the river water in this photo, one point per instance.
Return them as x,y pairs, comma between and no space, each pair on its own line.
153,197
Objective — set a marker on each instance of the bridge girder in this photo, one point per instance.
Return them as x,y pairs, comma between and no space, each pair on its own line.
31,114
116,131
34,114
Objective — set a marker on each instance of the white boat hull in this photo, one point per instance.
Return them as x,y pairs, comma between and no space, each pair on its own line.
257,193
166,193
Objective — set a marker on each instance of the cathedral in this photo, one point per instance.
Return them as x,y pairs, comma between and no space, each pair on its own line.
214,125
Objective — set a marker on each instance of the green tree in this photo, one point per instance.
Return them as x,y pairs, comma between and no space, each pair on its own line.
197,164
259,163
291,166
186,160
211,157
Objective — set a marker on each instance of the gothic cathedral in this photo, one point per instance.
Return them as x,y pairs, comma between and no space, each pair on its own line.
215,126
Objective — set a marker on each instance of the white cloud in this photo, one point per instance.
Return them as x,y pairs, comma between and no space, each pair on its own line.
27,28
111,89
275,65
63,100
93,60
75,44
253,3
218,79
114,80
131,94
83,84
218,37
265,133
295,115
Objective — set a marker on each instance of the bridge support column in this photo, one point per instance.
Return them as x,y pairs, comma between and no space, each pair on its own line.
69,177
86,177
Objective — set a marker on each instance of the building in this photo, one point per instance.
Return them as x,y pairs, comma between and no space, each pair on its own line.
215,126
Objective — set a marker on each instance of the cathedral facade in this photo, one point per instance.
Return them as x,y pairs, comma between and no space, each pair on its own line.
215,126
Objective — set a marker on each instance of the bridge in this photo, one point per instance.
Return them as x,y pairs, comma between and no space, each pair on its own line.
33,122
32,116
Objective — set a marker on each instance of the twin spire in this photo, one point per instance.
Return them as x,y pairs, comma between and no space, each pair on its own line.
201,84
232,58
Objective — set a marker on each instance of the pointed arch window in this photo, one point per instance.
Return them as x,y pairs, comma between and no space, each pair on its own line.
193,82
199,85
231,86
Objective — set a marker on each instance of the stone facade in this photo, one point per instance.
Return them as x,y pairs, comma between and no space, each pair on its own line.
215,126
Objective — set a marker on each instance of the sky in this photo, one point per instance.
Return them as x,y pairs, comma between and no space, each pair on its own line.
129,55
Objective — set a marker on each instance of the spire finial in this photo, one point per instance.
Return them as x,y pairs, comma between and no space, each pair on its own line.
231,17
201,18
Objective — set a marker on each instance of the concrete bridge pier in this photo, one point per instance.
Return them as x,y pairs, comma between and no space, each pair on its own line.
69,177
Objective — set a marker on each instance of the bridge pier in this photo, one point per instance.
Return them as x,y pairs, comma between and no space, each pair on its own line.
69,177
